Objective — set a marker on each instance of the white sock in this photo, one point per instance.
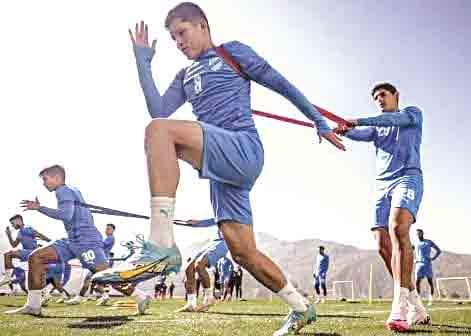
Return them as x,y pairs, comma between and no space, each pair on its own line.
292,297
414,300
207,295
399,304
34,298
161,224
105,295
139,295
192,299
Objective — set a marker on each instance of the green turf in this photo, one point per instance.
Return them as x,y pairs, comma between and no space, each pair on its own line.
238,318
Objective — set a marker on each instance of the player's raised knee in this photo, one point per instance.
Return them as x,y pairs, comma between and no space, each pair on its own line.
157,126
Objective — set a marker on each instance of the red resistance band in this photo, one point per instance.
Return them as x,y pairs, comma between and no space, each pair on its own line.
237,68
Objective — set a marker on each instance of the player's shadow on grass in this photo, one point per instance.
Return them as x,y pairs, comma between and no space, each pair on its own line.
343,316
282,315
460,327
11,305
319,334
100,322
246,314
441,331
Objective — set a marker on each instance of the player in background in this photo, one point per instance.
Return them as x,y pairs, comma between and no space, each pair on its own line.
423,263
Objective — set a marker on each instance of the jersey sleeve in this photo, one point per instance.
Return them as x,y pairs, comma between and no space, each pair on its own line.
159,106
66,206
259,70
366,134
205,223
410,116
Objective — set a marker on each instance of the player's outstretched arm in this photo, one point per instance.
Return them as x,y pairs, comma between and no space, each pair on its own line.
65,211
260,71
202,223
410,116
366,134
157,105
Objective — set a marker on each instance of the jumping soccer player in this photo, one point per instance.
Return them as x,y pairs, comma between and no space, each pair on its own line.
84,241
320,274
423,264
204,259
223,145
27,238
397,135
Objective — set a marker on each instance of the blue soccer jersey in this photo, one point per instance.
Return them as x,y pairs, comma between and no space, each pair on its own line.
78,220
108,244
397,137
322,264
219,96
424,251
27,238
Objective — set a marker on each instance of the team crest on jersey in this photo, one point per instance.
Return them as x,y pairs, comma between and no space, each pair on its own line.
215,63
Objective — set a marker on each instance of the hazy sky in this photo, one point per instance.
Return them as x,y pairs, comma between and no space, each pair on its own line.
70,95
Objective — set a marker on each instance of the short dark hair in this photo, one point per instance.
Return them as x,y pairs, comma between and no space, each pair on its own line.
383,86
186,11
53,170
15,217
420,230
321,247
111,225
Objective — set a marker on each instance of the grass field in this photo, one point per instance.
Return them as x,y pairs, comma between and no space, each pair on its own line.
258,317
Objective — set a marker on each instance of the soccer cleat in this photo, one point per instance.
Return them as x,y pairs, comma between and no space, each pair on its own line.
397,325
188,308
397,320
419,317
148,263
45,300
295,321
318,300
74,301
61,300
25,310
90,298
103,301
206,305
143,305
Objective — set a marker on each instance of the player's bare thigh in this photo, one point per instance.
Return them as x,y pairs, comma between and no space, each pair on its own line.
186,135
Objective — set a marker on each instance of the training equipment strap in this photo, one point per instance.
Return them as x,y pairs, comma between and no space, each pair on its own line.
221,52
96,209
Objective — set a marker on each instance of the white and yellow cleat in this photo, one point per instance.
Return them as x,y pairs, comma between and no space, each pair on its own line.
148,263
